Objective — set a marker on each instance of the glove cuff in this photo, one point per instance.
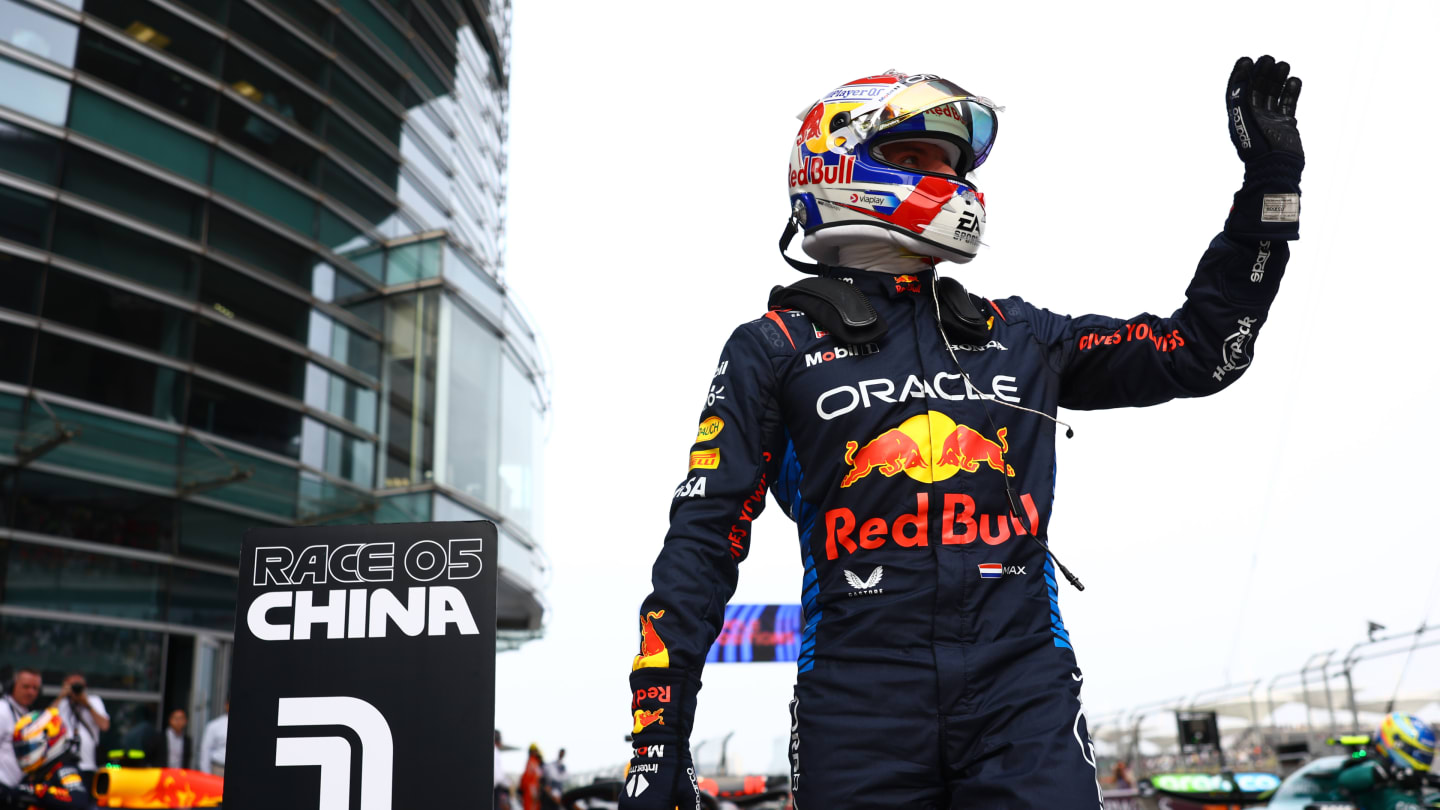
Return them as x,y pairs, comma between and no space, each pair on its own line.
662,705
1267,206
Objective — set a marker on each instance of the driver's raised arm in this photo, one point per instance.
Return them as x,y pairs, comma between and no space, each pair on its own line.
1207,343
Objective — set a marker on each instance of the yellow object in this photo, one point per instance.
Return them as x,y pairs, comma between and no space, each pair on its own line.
157,788
147,35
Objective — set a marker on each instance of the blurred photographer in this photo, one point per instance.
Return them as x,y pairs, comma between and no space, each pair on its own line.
85,716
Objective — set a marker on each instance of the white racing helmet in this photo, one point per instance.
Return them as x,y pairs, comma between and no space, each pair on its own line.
843,192
39,738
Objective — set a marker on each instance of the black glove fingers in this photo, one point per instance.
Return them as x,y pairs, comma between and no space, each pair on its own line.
1290,96
1238,77
1260,81
1276,89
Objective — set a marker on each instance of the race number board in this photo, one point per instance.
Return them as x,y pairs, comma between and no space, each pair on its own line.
364,670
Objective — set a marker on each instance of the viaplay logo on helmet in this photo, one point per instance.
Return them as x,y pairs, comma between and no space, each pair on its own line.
814,170
879,201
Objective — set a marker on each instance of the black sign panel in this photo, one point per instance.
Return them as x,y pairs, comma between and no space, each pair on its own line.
364,674
1198,731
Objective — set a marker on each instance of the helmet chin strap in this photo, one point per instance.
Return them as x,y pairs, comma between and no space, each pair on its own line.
884,257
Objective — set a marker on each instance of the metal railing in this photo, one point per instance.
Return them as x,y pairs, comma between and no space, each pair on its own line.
1316,675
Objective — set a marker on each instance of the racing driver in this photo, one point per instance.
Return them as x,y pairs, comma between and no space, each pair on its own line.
906,426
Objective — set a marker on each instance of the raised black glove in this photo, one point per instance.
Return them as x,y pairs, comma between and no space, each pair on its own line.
1262,96
1260,101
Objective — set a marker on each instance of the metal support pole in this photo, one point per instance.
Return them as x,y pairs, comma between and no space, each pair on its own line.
1329,701
1305,690
1349,662
1254,717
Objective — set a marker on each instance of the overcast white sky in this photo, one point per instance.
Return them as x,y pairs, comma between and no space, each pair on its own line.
1220,539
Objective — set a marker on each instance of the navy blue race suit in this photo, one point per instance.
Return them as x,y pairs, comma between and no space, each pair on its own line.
935,668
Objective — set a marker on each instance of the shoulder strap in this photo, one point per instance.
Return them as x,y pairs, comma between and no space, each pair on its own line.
835,306
962,318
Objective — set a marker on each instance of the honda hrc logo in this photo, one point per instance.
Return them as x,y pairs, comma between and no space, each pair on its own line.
334,754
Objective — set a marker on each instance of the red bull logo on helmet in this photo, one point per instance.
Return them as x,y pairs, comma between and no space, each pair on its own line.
928,447
815,170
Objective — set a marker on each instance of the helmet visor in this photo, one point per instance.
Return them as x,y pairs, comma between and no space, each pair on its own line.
975,112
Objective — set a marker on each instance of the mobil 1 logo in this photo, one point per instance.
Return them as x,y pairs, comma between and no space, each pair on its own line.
364,674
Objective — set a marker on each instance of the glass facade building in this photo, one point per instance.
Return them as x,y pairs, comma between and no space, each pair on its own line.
250,275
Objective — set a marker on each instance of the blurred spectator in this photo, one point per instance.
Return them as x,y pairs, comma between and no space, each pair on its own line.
16,704
176,748
1123,777
532,781
554,782
502,779
85,718
212,744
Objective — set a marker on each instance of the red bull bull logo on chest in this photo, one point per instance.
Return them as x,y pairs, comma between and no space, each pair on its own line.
928,447
911,447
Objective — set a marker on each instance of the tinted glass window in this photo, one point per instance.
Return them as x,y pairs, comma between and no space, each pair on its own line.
28,153
202,598
25,215
255,81
340,236
102,243
16,346
108,60
157,28
350,191
20,283
33,92
221,410
98,307
70,507
233,352
112,122
284,46
521,446
216,10
26,27
259,246
241,125
110,657
363,103
364,57
410,357
308,14
264,193
62,579
81,370
132,192
235,293
212,534
114,446
471,433
360,149
356,350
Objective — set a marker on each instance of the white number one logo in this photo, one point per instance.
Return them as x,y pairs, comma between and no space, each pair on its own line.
333,754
